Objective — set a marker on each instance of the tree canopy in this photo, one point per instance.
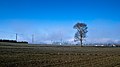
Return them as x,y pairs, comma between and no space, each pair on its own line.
81,32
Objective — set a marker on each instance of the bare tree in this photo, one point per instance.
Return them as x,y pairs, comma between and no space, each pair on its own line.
81,32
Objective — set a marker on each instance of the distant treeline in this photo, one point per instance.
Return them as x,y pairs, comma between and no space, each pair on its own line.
13,41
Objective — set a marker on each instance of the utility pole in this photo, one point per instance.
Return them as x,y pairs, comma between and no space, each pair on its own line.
32,38
61,39
16,37
51,42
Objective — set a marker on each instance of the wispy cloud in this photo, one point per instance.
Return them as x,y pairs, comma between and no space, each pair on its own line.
43,32
47,31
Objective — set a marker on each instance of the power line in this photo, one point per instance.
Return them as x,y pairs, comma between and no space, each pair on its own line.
7,32
15,35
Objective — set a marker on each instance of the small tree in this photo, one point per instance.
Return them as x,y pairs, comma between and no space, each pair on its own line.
81,32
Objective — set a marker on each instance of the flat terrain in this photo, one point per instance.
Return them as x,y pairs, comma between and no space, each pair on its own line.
23,55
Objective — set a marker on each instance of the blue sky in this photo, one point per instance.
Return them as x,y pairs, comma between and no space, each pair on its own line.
47,18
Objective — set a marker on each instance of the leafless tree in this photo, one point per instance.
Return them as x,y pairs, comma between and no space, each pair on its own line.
80,35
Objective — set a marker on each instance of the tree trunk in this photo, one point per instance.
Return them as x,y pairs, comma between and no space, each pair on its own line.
81,42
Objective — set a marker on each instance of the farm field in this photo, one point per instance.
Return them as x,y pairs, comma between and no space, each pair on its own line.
19,55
